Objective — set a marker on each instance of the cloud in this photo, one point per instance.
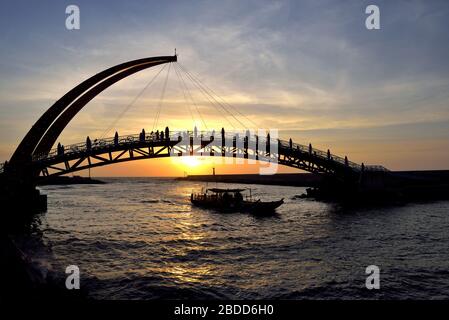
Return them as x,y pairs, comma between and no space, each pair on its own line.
293,65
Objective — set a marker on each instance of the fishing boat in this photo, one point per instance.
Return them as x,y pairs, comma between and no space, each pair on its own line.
232,200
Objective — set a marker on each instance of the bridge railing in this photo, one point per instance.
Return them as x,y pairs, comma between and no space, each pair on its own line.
376,168
100,144
321,154
203,135
131,139
82,147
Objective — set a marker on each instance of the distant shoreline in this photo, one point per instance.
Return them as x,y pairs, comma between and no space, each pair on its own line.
63,180
281,179
429,177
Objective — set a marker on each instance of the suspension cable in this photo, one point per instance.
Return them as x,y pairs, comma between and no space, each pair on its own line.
161,99
131,103
211,102
184,94
211,93
199,85
191,97
225,102
209,96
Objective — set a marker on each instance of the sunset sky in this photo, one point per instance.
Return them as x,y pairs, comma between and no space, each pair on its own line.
308,68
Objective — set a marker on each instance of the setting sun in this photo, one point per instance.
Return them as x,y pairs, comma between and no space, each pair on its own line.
190,161
190,165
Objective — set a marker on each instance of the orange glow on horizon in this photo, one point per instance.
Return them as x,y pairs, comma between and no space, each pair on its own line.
179,167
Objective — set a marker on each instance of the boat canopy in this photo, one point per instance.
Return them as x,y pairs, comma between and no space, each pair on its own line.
218,190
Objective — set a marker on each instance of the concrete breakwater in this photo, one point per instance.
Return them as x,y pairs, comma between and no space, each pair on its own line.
281,179
390,186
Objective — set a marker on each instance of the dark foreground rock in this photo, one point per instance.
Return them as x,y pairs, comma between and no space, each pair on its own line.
22,281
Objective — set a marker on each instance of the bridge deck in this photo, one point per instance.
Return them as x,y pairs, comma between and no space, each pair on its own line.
235,144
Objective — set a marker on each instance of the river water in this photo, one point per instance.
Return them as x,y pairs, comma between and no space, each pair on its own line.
140,238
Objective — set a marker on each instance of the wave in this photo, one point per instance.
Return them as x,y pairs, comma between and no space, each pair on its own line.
149,201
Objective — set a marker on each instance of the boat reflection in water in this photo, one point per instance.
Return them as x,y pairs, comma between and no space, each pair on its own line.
232,200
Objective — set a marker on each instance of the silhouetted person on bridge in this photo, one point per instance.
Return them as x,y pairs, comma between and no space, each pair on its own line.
328,154
116,139
162,135
346,161
310,148
88,144
290,143
142,136
167,133
157,134
363,167
60,149
268,143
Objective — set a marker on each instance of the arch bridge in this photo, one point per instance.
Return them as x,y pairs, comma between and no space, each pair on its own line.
113,150
34,157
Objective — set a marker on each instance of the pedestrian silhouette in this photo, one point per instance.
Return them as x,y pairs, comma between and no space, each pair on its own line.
167,133
116,139
88,144
268,143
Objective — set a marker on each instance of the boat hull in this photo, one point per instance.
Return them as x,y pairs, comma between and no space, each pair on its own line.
256,207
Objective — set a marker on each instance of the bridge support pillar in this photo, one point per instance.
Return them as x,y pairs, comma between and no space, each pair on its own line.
19,196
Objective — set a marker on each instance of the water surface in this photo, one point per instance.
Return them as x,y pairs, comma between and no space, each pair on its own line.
140,238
